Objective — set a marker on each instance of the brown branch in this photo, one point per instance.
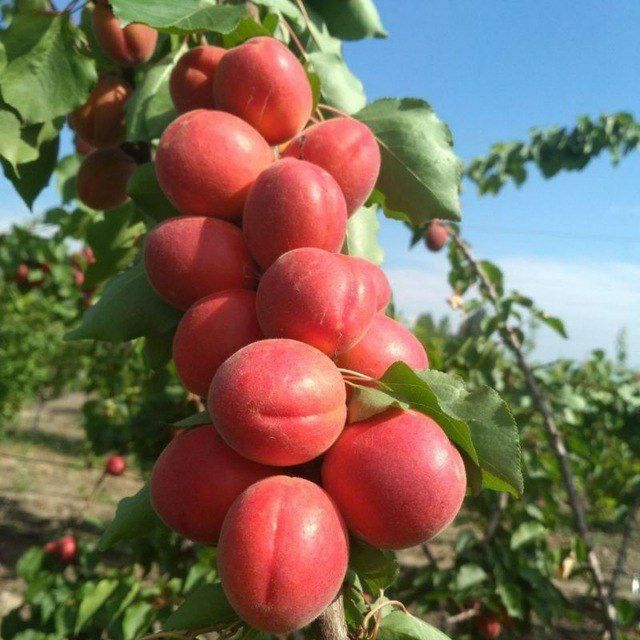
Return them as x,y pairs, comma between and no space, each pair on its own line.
331,625
511,341
459,618
629,527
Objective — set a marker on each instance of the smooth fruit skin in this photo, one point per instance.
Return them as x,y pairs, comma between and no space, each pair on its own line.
348,150
317,297
380,281
102,178
396,478
263,83
283,554
100,121
278,402
213,329
116,465
436,235
67,549
385,342
196,479
82,147
130,46
293,204
191,80
188,258
207,161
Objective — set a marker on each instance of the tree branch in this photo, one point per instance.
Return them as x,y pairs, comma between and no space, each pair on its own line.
624,546
331,625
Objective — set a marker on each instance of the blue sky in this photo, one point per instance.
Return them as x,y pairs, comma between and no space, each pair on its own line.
492,70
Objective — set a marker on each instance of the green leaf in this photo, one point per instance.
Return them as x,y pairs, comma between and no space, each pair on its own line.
195,420
468,576
137,619
249,28
477,420
366,402
144,190
362,235
13,147
30,563
376,568
420,174
494,275
128,308
350,19
134,518
554,323
158,350
92,597
526,533
181,17
398,625
206,606
46,76
66,172
338,86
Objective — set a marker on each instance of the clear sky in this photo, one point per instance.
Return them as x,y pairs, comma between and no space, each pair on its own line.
493,70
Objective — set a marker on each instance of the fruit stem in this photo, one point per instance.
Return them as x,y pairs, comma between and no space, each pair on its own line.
331,624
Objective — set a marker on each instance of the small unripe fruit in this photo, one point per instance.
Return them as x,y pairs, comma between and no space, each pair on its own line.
50,547
67,549
116,465
385,342
263,83
207,161
314,296
396,478
78,276
293,204
188,258
102,178
380,281
435,235
21,273
130,46
191,80
213,329
100,121
278,402
283,554
196,479
348,150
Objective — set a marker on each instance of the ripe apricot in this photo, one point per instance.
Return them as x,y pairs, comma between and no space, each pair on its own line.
283,554
102,178
130,46
293,204
314,296
196,479
100,121
82,147
435,235
67,549
380,281
116,465
191,80
263,83
188,258
348,150
396,478
213,329
279,402
207,161
385,342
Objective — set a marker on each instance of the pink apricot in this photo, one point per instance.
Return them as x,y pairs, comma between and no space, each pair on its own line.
348,150
263,83
213,329
129,46
191,80
67,549
314,296
293,204
188,258
396,478
385,342
283,554
435,235
196,479
380,281
278,402
207,161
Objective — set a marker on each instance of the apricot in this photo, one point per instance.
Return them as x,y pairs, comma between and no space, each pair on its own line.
115,466
213,329
396,478
196,479
102,178
188,258
67,549
380,281
100,121
82,146
293,204
348,150
130,46
278,402
314,296
263,83
191,80
207,161
385,342
283,554
435,235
